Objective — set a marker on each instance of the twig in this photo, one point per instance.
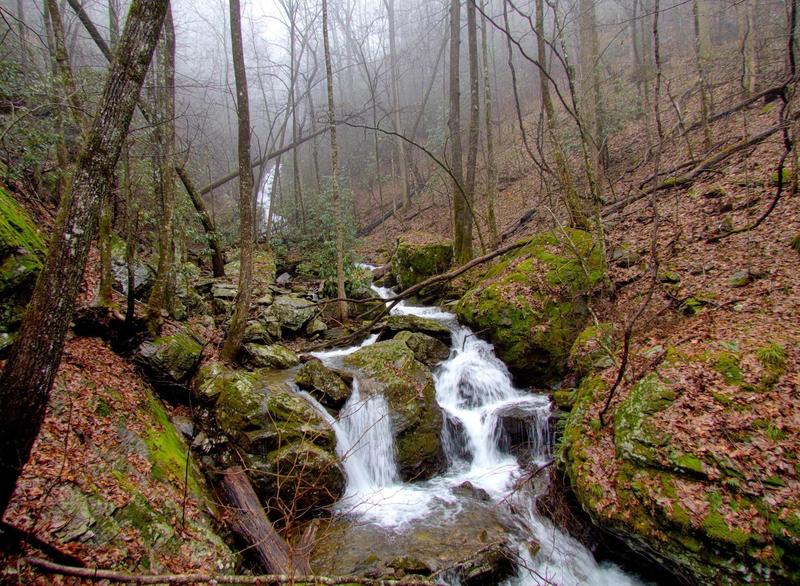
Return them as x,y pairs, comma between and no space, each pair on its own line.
126,578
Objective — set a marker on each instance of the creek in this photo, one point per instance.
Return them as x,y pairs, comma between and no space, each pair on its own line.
473,388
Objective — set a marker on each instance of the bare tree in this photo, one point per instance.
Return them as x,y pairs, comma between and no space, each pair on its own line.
233,341
29,373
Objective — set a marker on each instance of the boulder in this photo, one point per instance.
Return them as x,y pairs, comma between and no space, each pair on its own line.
291,312
324,384
170,360
413,323
262,415
591,350
472,541
143,275
426,349
21,256
419,256
390,368
533,303
270,356
302,475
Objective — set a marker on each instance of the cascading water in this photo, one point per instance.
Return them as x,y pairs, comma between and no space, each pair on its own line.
474,390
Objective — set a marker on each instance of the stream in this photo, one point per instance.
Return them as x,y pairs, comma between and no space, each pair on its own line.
472,388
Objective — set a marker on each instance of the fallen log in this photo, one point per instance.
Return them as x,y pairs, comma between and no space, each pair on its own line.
249,520
98,574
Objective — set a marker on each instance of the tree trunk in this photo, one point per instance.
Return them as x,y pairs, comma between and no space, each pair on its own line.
591,96
574,204
461,249
165,96
474,129
29,373
239,320
745,19
337,205
491,169
405,190
701,41
300,212
250,521
217,258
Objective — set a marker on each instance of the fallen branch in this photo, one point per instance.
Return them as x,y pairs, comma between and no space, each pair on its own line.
702,167
414,289
126,578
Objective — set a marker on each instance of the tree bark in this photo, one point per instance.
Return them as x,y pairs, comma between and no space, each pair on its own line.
166,98
474,129
461,250
405,189
28,376
217,258
337,205
491,167
239,320
701,47
251,522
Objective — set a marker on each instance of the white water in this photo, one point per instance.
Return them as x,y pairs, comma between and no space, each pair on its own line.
472,387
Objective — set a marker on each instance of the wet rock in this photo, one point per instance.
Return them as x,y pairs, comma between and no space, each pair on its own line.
170,359
518,424
742,278
390,368
323,384
470,490
316,327
184,425
262,416
283,279
533,303
395,324
426,349
419,256
257,332
474,542
270,356
625,257
224,290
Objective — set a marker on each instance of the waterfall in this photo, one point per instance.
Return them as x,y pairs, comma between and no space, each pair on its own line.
481,407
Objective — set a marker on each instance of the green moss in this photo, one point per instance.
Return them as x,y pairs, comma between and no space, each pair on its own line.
413,262
795,244
168,452
690,463
785,178
102,408
17,230
718,529
727,364
772,356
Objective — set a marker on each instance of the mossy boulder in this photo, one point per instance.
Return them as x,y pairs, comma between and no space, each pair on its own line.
533,303
21,257
592,350
261,415
419,256
270,356
301,475
390,368
170,360
291,312
426,349
395,324
325,385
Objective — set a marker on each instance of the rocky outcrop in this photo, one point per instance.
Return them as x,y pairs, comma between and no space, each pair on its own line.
419,256
532,304
473,542
290,448
390,368
291,313
694,467
323,384
21,256
269,356
426,349
170,360
395,324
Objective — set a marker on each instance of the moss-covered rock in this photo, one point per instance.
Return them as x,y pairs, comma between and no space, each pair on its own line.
262,416
170,359
270,356
592,350
291,312
426,349
395,324
419,256
303,476
21,257
325,385
390,368
532,304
